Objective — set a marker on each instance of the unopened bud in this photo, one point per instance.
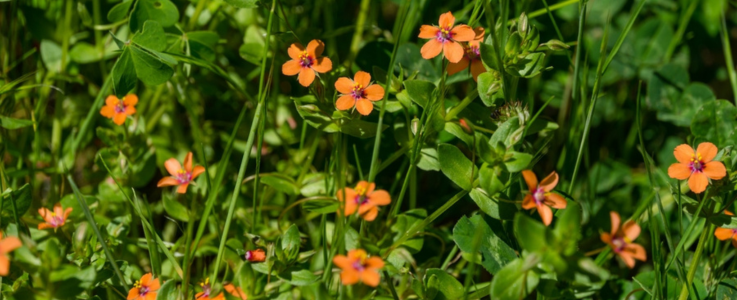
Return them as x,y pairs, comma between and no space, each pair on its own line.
415,125
556,45
466,127
256,255
522,25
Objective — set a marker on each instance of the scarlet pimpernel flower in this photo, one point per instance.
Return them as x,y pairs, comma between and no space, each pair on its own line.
621,240
724,234
364,199
471,56
358,266
145,289
541,195
7,245
119,109
235,291
358,93
445,38
697,166
53,218
180,176
306,62
206,291
256,255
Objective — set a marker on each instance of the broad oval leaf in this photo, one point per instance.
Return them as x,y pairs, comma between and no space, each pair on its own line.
456,166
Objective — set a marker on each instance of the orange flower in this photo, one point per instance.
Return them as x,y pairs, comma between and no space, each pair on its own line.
621,240
541,197
144,289
119,110
6,245
365,199
206,290
445,38
306,62
697,166
472,56
179,176
235,291
54,219
724,234
256,255
357,266
358,93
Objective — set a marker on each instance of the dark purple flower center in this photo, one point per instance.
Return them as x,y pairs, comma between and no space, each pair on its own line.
305,60
143,290
120,108
56,220
361,199
183,176
697,164
472,52
358,265
539,195
444,35
358,91
619,243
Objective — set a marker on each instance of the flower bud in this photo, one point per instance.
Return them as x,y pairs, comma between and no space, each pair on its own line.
556,45
522,25
256,255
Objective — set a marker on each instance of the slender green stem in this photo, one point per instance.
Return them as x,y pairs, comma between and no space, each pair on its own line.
358,34
95,109
682,24
728,57
695,262
389,282
465,102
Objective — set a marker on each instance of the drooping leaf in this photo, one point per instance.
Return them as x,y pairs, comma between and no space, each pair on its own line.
419,91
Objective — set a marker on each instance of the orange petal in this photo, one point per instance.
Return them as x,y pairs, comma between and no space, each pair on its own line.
683,153
362,78
133,294
107,111
631,230
67,212
119,118
722,234
627,258
463,33
708,151
637,251
45,214
380,198
182,189
146,279
235,291
606,238
453,51
447,20
479,32
344,85
130,100
431,49
9,244
315,48
370,214
154,285
374,92
549,183
323,65
350,204
42,226
616,220
295,50
698,182
4,265
112,100
306,77
167,181
734,243
459,66
172,166
374,262
197,171
428,32
556,201
369,186
477,68
349,276
546,214
130,110
714,170
528,202
345,102
291,68
370,278
364,106
343,262
679,171
58,210
357,254
188,162
530,179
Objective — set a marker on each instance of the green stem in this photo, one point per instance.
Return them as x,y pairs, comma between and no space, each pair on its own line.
358,34
728,57
695,262
465,102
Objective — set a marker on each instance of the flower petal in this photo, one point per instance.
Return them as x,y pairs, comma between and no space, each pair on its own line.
119,118
637,251
362,78
350,204
461,65
679,171
344,85
364,106
306,77
133,294
631,230
374,262
530,179
698,182
370,278
315,48
130,100
323,65
345,102
463,33
528,202
627,258
722,234
380,198
616,220
188,162
4,265
546,214
9,244
431,49
714,170
146,279
130,110
370,213
66,213
107,111
295,50
428,32
182,189
453,51
683,153
167,181
606,237
45,214
708,151
349,276
479,32
374,92
172,166
477,68
556,201
549,183
197,171
291,68
447,20
112,100
154,285
343,262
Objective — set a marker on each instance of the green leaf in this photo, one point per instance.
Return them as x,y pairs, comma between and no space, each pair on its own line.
516,280
314,116
568,229
517,161
444,286
202,44
280,182
727,289
175,209
290,242
476,234
666,91
162,11
299,277
252,49
495,209
419,91
529,66
152,37
406,221
360,128
243,3
321,206
429,160
456,166
168,291
531,234
22,197
151,67
124,74
488,54
119,11
11,123
505,134
715,122
51,55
